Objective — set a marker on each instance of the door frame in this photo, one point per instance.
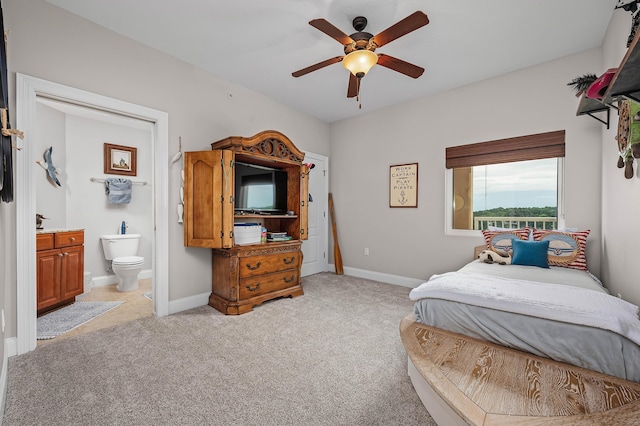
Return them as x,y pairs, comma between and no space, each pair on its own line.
27,90
309,157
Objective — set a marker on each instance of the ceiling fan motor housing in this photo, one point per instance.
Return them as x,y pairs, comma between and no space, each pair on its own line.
361,39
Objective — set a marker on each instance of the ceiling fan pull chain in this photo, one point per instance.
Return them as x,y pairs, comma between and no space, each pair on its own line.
358,95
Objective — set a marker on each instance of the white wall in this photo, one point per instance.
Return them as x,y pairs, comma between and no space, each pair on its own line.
50,200
49,43
411,242
88,206
78,135
621,197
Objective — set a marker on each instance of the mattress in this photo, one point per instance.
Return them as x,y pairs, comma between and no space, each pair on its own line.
585,346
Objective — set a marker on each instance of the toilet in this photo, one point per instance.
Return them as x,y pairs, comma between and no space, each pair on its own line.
121,250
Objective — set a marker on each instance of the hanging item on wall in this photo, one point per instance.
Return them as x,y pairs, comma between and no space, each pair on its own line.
631,6
628,136
47,165
403,185
6,154
120,160
176,157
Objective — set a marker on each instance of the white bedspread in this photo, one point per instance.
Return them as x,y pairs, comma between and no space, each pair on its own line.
549,301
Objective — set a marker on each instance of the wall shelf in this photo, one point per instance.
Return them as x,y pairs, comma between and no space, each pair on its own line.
265,216
625,84
588,106
626,81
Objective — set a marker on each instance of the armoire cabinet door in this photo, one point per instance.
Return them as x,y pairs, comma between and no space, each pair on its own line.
208,202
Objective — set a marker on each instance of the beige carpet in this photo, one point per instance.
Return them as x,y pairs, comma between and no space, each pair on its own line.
330,357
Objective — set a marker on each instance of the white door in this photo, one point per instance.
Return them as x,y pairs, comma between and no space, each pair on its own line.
315,248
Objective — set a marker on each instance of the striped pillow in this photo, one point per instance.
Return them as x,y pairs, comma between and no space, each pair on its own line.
566,249
500,241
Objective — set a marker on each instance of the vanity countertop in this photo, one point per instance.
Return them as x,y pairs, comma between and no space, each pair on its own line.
54,230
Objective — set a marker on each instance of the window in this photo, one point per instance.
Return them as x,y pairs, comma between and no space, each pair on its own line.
507,183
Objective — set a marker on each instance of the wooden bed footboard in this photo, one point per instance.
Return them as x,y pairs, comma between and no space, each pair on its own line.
462,380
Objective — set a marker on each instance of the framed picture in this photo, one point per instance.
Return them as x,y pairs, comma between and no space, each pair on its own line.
120,160
403,185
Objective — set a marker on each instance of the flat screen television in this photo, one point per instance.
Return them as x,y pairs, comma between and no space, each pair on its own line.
260,189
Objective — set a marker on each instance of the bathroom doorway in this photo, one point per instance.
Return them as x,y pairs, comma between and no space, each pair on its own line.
32,93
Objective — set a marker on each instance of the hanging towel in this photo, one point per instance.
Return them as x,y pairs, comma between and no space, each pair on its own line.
118,190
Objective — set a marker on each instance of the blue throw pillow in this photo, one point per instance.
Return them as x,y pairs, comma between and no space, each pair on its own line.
530,253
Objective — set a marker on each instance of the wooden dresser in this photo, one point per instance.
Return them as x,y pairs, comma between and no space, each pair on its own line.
246,276
60,268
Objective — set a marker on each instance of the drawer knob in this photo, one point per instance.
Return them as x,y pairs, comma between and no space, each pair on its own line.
59,254
253,268
73,239
252,288
288,261
290,279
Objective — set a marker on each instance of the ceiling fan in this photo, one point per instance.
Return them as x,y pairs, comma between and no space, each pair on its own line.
360,46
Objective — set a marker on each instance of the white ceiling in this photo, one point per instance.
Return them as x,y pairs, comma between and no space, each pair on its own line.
258,44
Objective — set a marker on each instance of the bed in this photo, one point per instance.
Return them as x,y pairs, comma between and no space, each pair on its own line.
489,342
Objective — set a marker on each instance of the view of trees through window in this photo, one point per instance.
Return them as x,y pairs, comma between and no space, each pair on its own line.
507,195
518,217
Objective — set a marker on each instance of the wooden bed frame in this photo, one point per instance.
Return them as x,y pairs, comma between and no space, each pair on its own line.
465,381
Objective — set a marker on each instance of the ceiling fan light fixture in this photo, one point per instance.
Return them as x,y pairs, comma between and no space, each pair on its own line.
359,62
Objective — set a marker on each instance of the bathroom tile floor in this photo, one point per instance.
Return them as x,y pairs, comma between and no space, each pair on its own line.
136,306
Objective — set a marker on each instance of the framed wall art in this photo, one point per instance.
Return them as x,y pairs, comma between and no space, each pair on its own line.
403,185
120,160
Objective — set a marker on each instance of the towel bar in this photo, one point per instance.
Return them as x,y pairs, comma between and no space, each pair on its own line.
93,179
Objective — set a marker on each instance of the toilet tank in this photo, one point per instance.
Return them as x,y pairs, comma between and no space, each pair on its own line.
117,245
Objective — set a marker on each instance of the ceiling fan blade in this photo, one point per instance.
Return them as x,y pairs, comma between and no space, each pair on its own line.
410,23
399,65
352,90
330,30
317,66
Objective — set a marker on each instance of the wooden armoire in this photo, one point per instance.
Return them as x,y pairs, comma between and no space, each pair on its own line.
244,276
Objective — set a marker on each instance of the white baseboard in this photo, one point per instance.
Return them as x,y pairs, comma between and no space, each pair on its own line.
113,279
202,299
175,306
379,276
10,347
9,351
190,302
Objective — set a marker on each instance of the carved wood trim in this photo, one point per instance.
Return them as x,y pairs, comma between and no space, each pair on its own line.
274,250
259,250
268,144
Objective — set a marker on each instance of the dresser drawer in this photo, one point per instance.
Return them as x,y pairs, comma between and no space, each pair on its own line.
44,241
259,265
66,239
256,286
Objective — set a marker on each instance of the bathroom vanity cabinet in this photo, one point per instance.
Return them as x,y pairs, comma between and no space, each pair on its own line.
244,276
60,268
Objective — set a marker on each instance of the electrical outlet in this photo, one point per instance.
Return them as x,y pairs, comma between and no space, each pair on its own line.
366,251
